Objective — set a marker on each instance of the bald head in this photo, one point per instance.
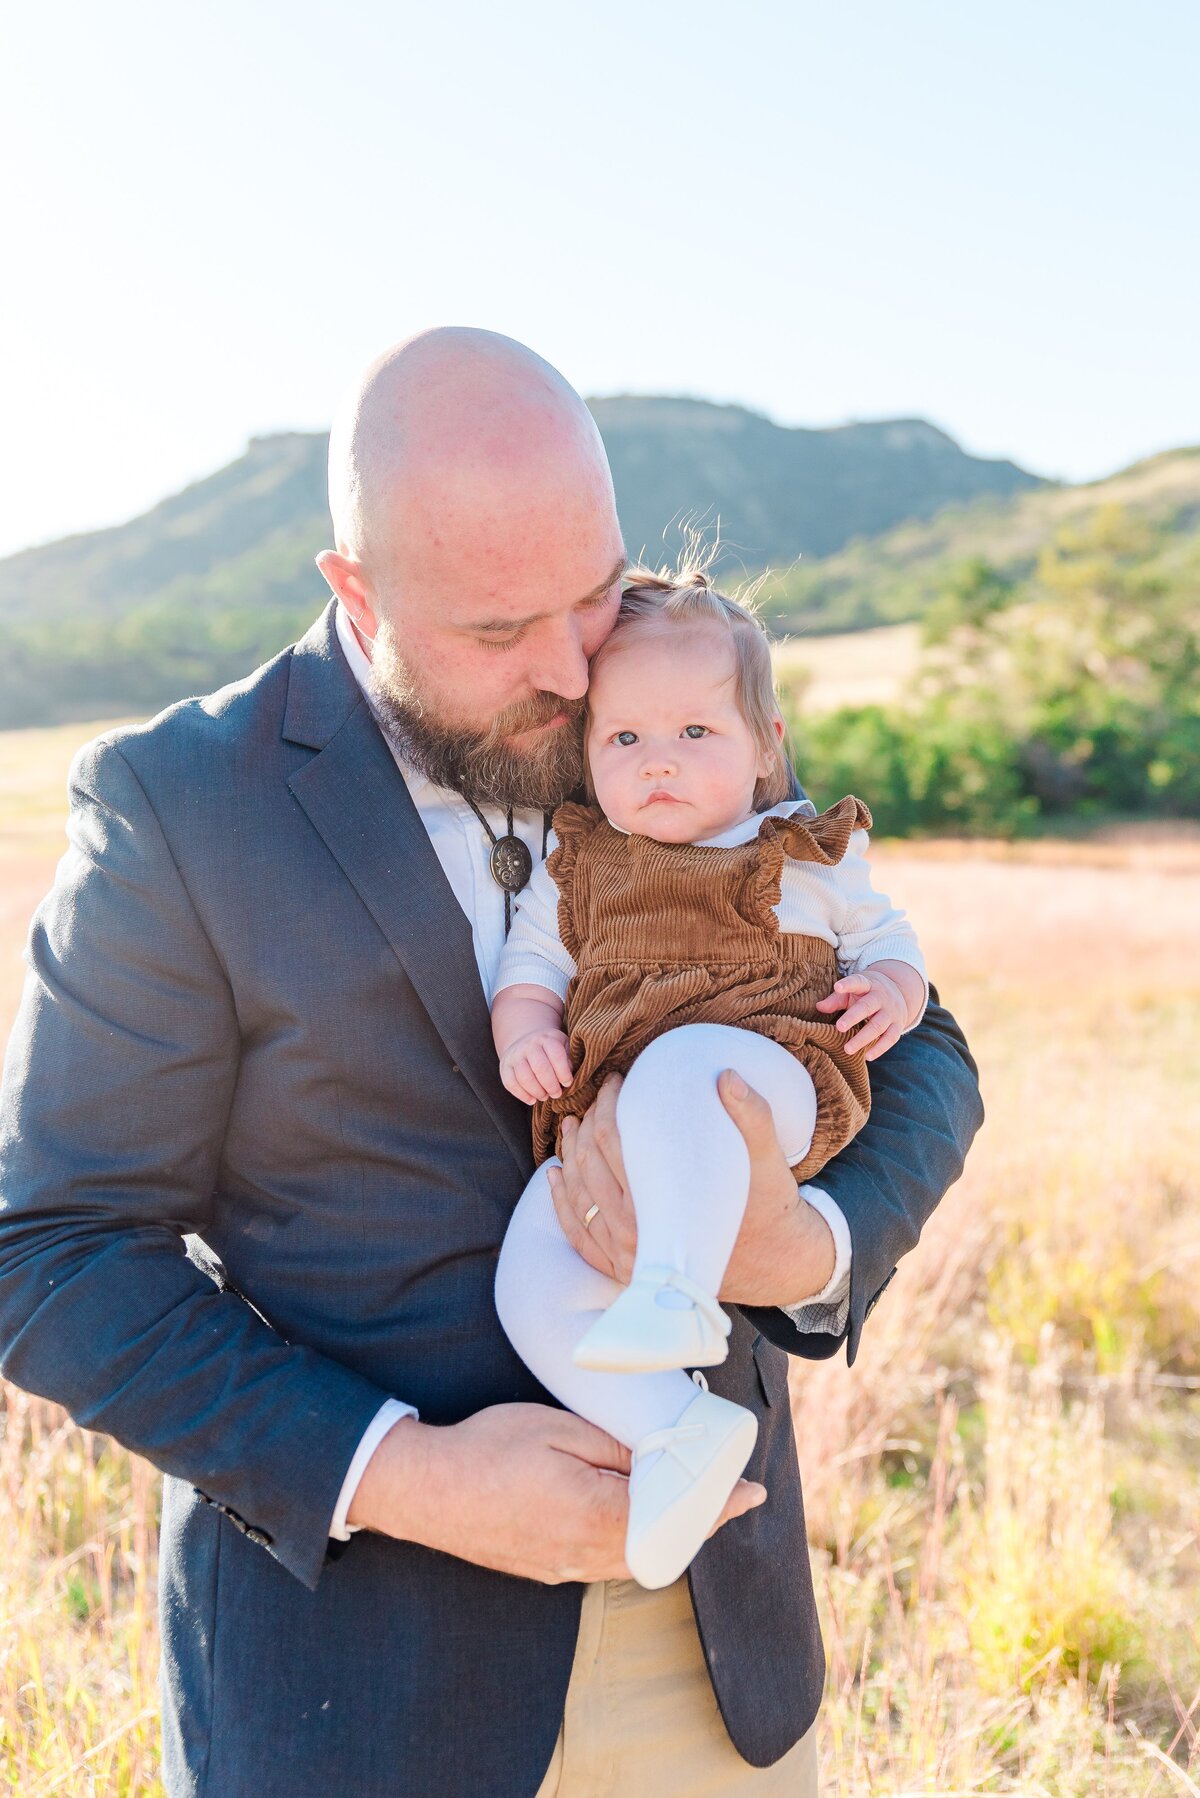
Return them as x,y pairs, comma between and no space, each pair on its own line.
478,556
453,441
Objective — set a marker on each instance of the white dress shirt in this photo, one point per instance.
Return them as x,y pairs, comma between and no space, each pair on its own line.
463,849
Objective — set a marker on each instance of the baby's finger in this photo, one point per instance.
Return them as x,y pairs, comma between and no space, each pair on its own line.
560,1060
888,1040
862,1008
834,1002
534,1088
542,1070
873,1028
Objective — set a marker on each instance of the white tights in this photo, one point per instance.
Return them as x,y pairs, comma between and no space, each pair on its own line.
689,1172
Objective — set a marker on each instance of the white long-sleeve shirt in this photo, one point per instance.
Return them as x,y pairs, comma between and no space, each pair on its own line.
463,850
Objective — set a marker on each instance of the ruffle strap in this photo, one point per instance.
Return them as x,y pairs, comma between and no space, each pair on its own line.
824,838
573,824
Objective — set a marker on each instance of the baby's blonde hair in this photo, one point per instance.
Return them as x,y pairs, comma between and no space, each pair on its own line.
652,602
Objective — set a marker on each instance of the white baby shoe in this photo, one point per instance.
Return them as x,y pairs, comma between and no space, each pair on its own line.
639,1333
678,1485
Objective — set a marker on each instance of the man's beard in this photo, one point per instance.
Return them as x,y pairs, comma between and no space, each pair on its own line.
481,765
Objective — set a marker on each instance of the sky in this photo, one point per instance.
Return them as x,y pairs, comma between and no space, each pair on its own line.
215,214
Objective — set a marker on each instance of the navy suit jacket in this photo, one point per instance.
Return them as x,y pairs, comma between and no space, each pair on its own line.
253,1028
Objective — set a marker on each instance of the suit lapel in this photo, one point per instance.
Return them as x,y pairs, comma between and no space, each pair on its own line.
356,799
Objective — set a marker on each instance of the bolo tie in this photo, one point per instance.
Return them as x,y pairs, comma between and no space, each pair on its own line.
510,861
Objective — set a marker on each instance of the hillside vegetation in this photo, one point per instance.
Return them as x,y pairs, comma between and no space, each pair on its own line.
901,573
221,576
1034,661
1068,694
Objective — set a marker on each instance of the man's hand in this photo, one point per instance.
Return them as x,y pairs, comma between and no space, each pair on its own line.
522,1488
785,1250
593,1173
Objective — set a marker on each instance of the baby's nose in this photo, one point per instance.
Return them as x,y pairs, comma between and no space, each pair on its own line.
657,761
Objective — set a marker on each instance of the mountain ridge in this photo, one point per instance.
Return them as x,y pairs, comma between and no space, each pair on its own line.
899,574
218,577
780,491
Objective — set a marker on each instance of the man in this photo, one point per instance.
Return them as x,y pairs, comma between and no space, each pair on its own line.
256,1018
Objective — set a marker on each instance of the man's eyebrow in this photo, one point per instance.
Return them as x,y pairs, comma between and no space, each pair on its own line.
501,626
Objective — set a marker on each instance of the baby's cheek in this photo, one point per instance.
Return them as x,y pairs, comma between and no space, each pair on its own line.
614,798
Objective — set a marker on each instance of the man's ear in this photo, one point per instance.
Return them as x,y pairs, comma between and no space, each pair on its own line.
347,583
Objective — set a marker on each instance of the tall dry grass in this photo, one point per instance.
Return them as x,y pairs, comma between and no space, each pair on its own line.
78,1632
1003,1496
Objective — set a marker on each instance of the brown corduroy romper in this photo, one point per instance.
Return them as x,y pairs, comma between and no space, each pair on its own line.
664,934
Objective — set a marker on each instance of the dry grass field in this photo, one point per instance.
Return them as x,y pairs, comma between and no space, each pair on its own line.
1003,1494
868,668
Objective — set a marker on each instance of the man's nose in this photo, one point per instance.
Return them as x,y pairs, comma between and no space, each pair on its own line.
562,667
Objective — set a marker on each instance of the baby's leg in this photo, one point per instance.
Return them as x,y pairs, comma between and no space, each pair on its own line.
547,1297
685,1159
689,1446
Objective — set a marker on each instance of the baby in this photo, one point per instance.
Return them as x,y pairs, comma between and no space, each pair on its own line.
694,919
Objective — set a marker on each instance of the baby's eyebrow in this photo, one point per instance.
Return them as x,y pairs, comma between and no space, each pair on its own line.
501,626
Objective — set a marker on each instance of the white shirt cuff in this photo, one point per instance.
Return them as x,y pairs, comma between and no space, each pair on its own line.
531,970
390,1412
821,1310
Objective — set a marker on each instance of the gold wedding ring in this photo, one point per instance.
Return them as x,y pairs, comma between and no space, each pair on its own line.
593,1211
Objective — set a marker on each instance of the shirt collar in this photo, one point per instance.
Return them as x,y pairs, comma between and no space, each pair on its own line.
749,827
743,832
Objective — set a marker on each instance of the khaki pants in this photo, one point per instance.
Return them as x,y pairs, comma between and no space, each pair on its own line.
641,1720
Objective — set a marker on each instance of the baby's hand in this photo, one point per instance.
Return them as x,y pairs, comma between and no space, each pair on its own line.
876,1002
537,1066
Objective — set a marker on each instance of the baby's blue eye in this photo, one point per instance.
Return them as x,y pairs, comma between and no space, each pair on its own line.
625,738
696,730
